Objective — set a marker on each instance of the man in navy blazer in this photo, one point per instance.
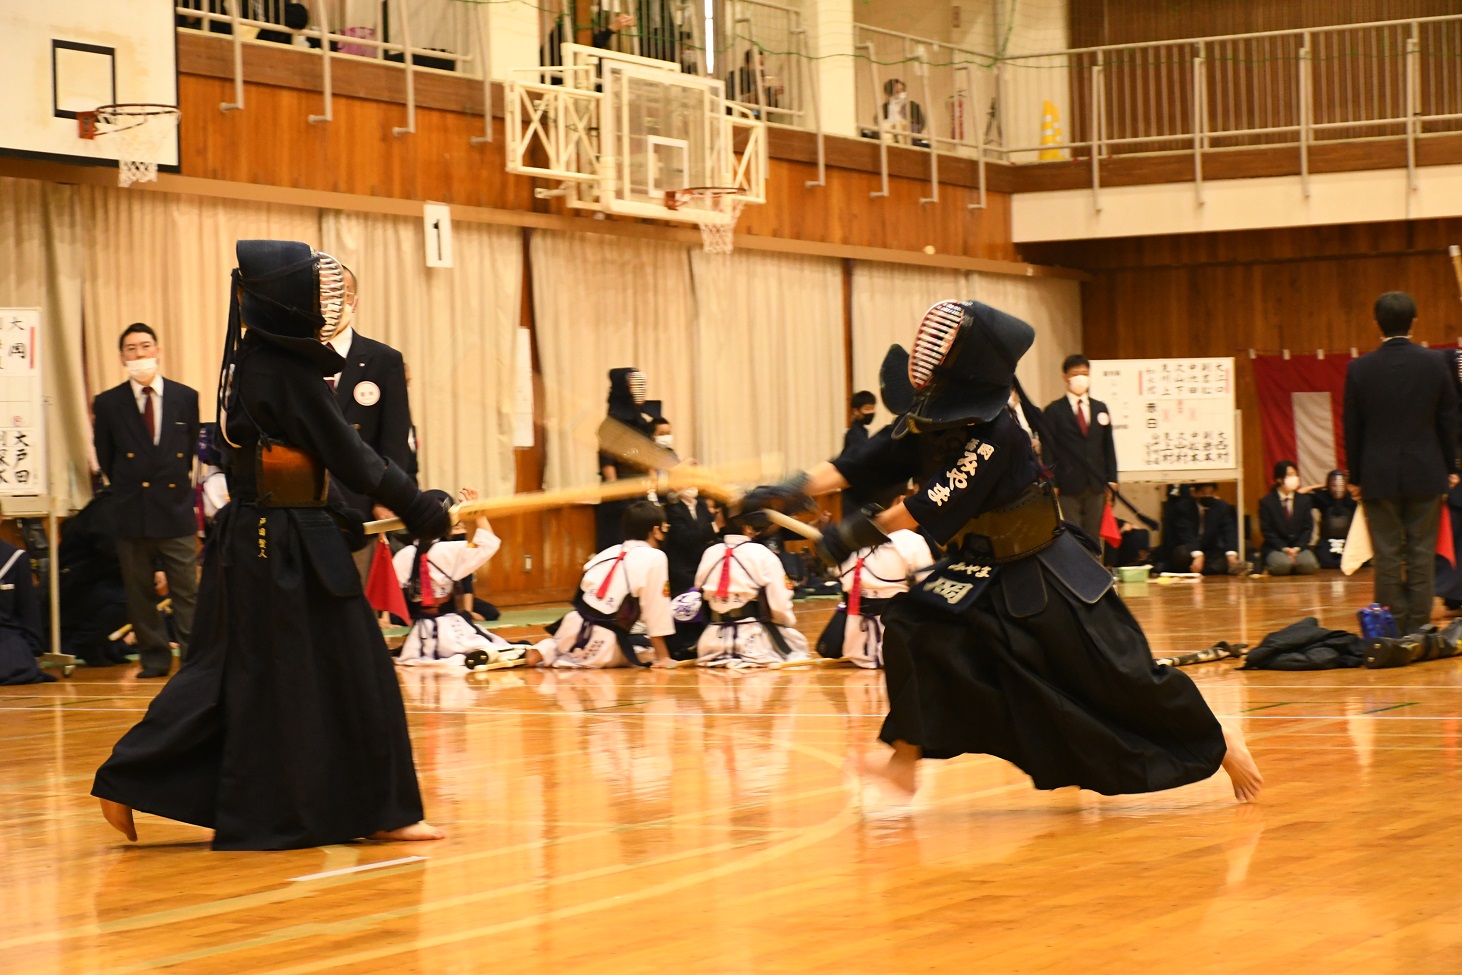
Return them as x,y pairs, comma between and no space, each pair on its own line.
1401,443
371,391
145,433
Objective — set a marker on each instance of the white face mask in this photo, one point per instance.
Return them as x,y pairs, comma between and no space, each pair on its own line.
1078,385
1291,483
142,370
665,440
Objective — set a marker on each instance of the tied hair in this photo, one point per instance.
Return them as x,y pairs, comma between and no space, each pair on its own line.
231,342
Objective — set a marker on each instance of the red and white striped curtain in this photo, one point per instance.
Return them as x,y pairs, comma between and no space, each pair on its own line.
1301,399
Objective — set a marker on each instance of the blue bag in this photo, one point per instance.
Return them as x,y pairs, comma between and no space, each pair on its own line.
1376,621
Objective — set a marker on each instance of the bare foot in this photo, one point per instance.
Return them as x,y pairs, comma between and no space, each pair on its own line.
416,832
900,770
120,818
1240,766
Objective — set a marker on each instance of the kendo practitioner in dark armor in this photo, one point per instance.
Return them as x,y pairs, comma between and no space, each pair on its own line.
20,620
627,391
93,594
285,726
1016,645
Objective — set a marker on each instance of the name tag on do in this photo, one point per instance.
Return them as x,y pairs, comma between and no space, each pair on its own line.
436,221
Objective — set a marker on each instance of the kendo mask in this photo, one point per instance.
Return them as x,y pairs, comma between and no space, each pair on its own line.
292,296
961,369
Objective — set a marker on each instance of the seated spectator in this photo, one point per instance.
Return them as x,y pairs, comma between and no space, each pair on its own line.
1205,534
1336,506
20,620
749,601
1287,522
429,578
93,595
870,578
623,585
1135,547
900,113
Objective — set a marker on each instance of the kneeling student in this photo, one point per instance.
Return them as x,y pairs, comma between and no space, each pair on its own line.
623,585
749,601
429,575
870,578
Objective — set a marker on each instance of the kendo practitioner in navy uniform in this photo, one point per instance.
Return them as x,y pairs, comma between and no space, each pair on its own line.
20,620
285,726
1016,645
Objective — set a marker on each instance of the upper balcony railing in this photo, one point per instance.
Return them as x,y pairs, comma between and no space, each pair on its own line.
1399,80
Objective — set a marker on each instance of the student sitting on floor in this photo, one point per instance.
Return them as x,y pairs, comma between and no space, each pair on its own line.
20,620
1287,522
749,601
623,585
439,633
1205,534
871,577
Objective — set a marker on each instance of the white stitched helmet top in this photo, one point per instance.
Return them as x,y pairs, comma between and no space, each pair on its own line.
933,341
637,386
332,293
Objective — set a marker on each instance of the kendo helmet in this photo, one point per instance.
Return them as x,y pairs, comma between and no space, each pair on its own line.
292,296
961,368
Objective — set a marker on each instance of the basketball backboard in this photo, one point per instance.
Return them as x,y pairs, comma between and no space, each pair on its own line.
620,132
59,58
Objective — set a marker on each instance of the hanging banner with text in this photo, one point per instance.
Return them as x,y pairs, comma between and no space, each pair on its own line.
1169,416
22,404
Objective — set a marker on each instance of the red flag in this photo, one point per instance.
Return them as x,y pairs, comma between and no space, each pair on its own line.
383,589
1445,548
1110,533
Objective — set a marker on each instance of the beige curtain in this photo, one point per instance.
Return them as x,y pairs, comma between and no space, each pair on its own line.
769,361
41,267
888,302
600,303
165,259
1053,307
454,326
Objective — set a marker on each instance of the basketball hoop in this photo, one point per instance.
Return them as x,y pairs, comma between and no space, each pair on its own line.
721,206
142,131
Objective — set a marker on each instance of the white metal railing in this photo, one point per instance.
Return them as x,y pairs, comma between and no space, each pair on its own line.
432,35
762,56
1384,80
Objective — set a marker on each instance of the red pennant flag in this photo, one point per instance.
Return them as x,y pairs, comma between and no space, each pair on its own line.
1445,548
1110,533
383,589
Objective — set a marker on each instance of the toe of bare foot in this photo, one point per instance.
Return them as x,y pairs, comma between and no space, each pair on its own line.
120,818
415,833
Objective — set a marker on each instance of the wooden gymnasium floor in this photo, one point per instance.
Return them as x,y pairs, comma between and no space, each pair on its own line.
699,822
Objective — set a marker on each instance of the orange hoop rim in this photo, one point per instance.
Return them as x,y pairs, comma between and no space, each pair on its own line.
675,198
135,114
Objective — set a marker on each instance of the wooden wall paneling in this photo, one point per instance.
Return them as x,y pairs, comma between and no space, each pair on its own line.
1223,294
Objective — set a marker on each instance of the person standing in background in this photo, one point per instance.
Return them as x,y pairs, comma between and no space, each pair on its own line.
145,433
861,409
1401,442
1081,451
371,391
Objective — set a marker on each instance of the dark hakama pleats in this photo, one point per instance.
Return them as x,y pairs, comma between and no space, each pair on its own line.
1069,694
285,726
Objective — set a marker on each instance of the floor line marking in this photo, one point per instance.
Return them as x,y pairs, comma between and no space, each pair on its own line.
360,869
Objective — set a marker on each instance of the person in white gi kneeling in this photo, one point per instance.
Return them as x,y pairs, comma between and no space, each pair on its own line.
623,585
748,601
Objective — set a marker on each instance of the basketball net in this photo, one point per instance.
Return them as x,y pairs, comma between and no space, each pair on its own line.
719,236
141,139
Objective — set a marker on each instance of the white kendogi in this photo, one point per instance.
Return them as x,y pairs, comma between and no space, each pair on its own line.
733,576
876,575
448,637
634,569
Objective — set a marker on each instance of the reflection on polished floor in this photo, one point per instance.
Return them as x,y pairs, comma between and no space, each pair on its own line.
701,822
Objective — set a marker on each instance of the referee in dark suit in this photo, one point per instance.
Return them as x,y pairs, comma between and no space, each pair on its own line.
1401,442
145,433
1082,452
371,391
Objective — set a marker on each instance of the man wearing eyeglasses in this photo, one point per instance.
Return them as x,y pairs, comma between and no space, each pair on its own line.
145,432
